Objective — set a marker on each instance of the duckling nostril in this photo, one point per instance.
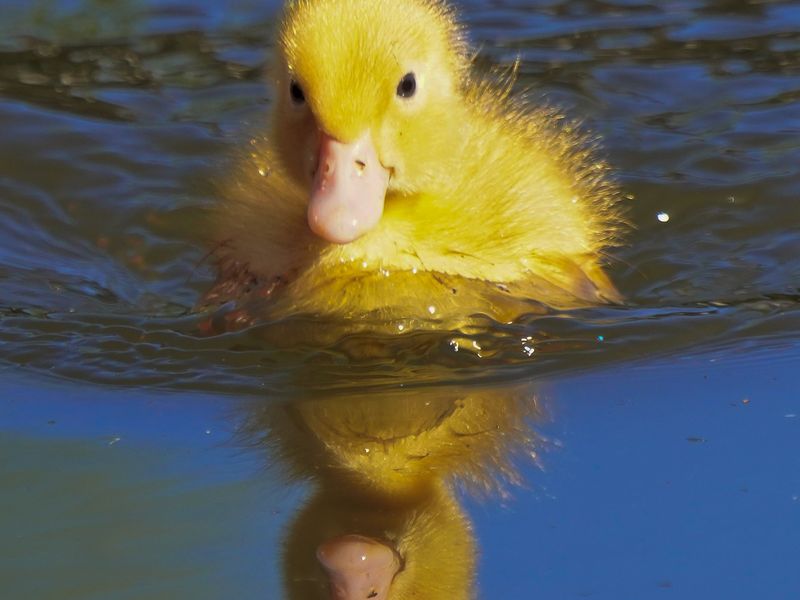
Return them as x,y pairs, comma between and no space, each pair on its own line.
360,166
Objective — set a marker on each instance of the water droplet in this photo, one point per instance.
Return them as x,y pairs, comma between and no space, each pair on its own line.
663,217
432,309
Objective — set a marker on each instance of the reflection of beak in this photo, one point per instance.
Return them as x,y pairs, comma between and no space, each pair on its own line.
358,567
348,190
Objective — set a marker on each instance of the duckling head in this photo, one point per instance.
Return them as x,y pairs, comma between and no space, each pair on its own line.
367,104
425,549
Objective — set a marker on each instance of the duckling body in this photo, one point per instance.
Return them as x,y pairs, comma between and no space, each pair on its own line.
472,197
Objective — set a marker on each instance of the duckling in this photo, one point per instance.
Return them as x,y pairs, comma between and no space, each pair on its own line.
383,520
397,182
400,551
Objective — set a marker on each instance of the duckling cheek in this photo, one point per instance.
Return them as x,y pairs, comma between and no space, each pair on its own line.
348,190
358,567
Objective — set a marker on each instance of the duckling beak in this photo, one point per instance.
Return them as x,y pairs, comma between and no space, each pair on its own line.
348,190
358,567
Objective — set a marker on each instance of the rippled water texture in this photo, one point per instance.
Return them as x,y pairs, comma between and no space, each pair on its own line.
118,118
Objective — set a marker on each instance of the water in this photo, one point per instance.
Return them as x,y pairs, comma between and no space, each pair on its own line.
653,475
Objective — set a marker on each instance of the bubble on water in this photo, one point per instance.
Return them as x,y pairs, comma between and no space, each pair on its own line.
663,216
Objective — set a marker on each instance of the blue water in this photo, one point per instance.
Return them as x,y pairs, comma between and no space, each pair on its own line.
670,478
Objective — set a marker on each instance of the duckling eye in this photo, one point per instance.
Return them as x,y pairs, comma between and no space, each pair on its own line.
296,92
407,86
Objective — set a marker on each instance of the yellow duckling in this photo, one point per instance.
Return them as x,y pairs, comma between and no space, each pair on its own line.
383,521
396,182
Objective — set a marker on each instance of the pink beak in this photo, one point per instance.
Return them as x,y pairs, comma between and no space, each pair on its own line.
348,190
358,567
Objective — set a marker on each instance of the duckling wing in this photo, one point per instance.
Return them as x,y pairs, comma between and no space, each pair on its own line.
567,282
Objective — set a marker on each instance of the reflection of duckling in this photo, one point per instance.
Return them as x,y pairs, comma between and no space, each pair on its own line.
377,549
384,472
398,183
